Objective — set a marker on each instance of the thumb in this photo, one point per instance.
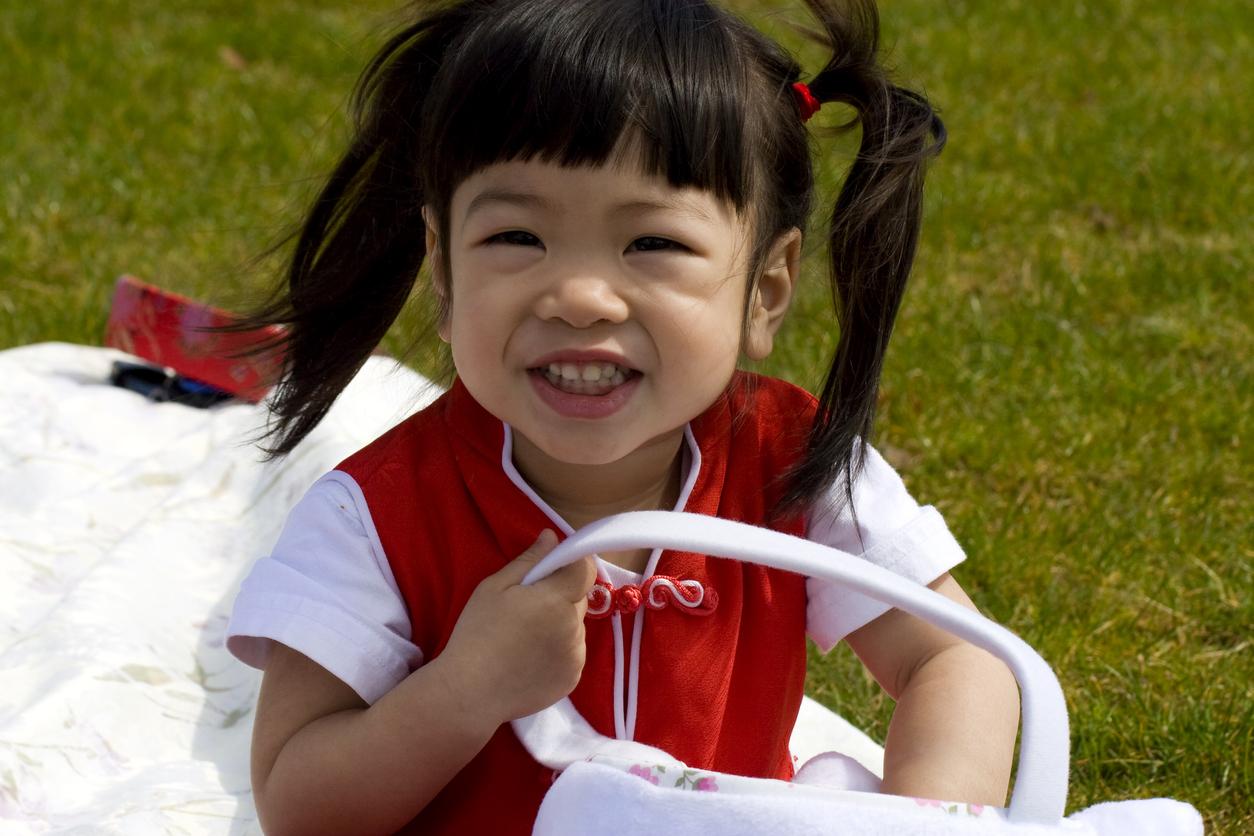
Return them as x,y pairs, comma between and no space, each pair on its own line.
517,569
573,580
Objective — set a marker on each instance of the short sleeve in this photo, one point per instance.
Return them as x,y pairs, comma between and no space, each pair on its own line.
327,591
892,531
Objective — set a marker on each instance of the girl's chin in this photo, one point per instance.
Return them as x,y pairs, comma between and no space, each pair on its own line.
574,449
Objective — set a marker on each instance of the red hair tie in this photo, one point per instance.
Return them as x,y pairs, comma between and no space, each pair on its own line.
806,103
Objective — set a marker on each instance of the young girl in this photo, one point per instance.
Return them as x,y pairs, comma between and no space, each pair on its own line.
611,195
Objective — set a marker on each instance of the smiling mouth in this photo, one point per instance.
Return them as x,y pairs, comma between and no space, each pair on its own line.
586,378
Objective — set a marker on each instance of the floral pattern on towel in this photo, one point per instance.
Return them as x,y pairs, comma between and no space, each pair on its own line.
680,779
698,780
953,808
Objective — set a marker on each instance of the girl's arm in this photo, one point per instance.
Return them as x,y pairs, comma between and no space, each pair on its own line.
325,762
952,735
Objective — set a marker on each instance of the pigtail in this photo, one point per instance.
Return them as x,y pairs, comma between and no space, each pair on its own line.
873,237
362,243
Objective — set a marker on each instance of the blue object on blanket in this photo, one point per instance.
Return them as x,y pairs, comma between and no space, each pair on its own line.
161,386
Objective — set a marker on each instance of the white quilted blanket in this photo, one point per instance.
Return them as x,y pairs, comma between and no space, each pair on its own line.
125,528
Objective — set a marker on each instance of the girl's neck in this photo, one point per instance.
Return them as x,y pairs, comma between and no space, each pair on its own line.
646,480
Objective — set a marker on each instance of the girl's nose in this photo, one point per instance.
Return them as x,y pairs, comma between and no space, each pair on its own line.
581,301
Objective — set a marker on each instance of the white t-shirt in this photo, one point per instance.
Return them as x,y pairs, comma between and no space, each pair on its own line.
328,592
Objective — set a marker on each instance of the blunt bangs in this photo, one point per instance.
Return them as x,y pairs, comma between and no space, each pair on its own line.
575,82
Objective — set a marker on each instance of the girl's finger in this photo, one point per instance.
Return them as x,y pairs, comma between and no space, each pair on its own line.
517,569
572,581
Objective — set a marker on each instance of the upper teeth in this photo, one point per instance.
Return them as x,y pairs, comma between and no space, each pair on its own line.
590,373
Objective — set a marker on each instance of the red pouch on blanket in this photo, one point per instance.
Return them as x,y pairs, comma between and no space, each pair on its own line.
177,332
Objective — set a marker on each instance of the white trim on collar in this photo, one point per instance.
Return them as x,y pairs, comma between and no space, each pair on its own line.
624,715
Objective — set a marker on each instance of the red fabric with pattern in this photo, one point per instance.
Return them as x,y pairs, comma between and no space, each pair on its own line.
719,692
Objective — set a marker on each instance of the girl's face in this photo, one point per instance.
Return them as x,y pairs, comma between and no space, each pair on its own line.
598,310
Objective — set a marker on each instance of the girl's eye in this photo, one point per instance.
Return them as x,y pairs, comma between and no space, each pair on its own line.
517,238
651,243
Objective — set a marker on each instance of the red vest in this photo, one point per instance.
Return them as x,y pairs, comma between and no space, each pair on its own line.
718,692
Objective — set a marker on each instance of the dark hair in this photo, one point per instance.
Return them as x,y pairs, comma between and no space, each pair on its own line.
706,100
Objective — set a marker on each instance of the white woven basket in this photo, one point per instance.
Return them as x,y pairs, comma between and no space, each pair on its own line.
601,796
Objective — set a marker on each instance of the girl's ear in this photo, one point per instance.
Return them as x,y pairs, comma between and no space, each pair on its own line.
773,295
439,282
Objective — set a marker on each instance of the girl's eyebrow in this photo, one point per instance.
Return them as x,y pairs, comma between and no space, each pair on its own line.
676,203
632,208
525,200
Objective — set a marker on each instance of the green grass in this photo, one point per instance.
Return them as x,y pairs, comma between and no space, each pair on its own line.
1071,378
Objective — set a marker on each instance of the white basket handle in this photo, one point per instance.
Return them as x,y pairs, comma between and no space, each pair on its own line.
1040,793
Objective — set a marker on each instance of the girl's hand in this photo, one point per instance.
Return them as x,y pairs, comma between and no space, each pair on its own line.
324,762
518,649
